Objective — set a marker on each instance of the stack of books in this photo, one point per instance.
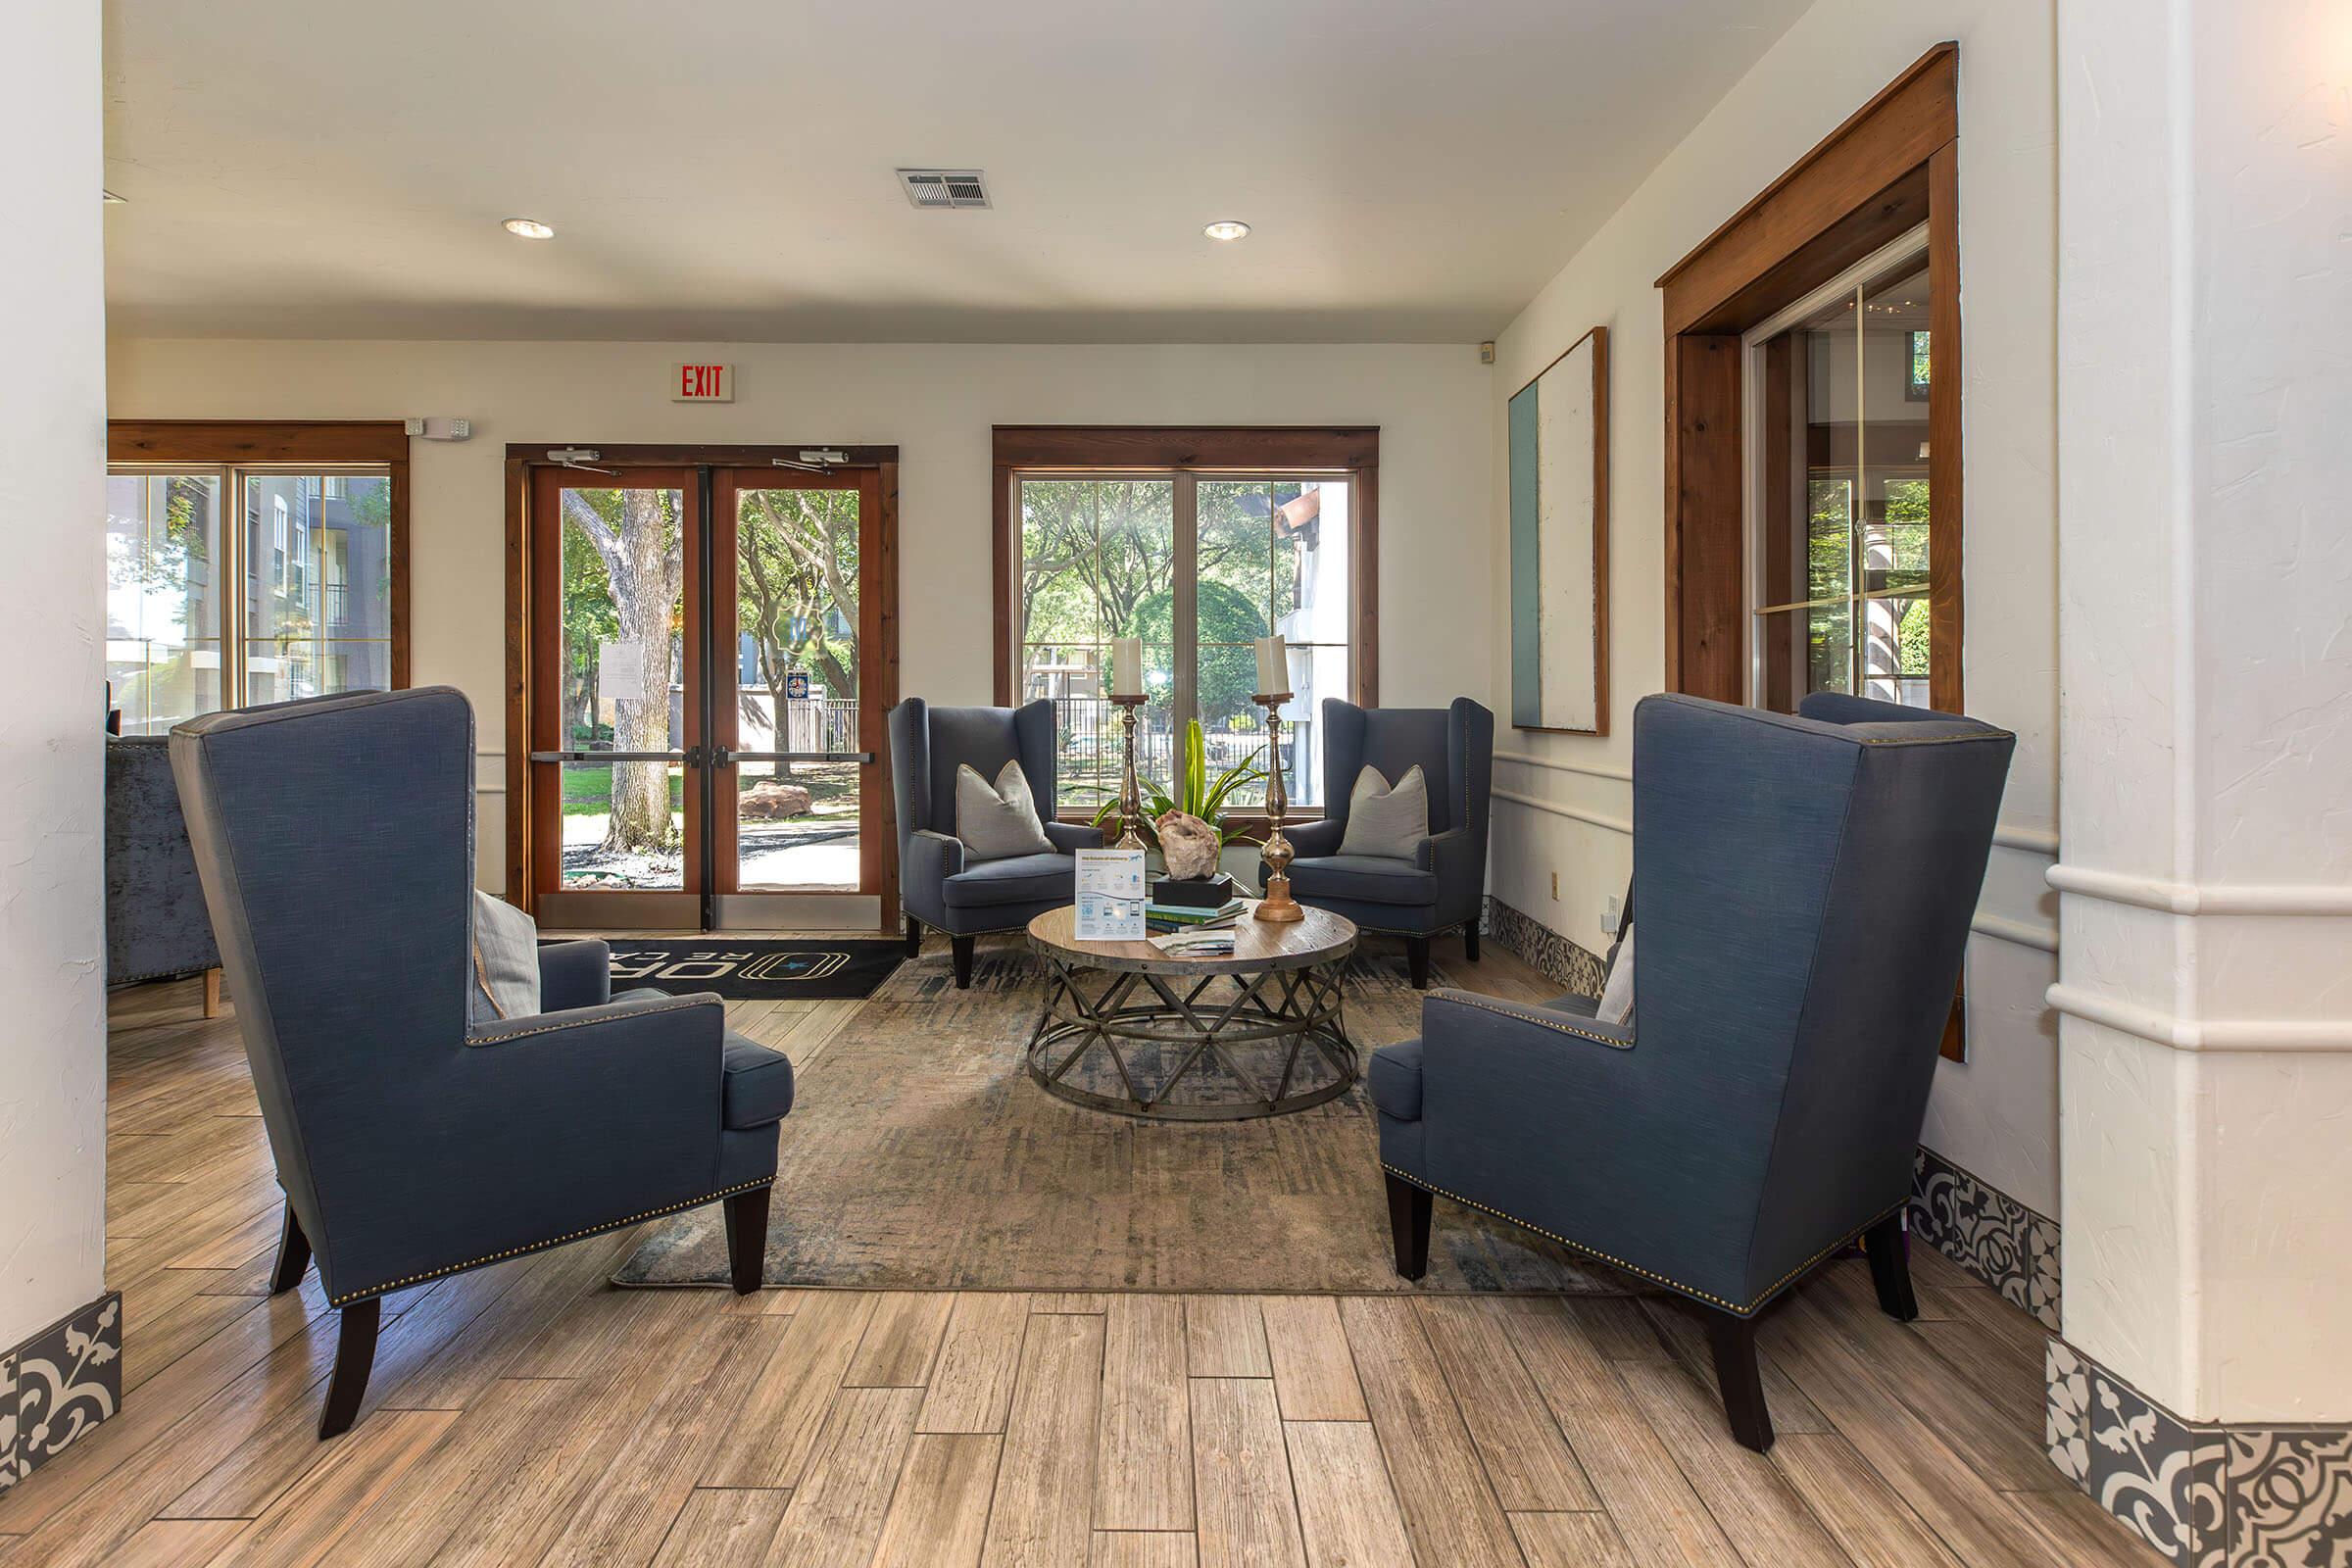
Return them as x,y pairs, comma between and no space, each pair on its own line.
1160,918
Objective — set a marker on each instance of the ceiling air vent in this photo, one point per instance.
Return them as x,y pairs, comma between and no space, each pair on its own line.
943,188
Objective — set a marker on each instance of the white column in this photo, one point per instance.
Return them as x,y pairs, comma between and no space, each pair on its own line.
52,631
2205,651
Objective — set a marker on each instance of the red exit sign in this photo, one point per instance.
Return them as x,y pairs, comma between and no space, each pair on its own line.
701,383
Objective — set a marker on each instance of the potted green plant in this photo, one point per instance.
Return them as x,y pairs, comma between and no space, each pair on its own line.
1191,792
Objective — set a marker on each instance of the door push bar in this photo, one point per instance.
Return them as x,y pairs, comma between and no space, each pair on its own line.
725,757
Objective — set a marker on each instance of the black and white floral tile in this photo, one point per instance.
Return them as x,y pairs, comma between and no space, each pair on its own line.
1988,1232
58,1384
2204,1494
1550,954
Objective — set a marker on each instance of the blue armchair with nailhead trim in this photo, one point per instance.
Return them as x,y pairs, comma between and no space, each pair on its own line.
1443,886
1803,886
410,1142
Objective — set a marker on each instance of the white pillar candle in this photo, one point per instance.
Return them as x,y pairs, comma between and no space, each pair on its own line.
1126,666
1273,667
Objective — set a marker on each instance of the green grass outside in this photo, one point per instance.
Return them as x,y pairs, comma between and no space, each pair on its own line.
588,790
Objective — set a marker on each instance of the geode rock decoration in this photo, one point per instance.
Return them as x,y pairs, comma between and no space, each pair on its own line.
1189,846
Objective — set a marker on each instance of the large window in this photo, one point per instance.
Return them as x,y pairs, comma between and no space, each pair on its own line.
1198,560
231,583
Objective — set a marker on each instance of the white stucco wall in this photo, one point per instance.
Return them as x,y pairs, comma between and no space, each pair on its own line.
936,403
1998,1114
2206,633
52,467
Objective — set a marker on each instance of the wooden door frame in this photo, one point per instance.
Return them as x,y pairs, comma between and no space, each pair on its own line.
524,460
289,444
878,845
543,788
1889,167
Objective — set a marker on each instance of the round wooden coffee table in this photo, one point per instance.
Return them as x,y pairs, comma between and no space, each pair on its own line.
1127,1028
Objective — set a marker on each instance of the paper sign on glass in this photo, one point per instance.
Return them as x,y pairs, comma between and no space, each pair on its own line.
621,672
1110,896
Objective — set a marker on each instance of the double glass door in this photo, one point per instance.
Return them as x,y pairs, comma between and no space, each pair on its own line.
704,715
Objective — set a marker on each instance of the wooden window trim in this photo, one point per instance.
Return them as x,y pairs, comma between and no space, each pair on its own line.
237,443
524,460
1348,452
1891,166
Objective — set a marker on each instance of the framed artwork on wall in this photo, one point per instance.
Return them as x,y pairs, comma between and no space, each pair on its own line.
1559,454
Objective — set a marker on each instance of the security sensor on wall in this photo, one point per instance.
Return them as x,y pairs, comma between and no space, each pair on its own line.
440,429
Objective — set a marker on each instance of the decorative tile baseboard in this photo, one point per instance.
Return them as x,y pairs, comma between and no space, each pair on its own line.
58,1384
1547,951
1988,1232
2202,1494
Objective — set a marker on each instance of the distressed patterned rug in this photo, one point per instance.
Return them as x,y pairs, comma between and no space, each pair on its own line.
919,1155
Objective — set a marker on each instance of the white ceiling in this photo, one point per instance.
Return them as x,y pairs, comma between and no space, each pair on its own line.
723,168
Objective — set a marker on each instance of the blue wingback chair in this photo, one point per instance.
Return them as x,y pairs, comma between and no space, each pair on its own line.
154,920
938,886
1802,891
1444,886
411,1145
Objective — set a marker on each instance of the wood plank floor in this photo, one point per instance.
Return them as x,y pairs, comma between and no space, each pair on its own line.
529,1414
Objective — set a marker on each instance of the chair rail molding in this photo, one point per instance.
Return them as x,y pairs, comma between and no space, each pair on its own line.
1607,770
2031,840
1615,825
2214,1035
2023,933
2202,897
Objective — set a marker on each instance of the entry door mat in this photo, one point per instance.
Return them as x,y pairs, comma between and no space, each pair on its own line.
757,969
919,1155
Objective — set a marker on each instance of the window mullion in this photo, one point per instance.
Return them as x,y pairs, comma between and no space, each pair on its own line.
1187,599
233,683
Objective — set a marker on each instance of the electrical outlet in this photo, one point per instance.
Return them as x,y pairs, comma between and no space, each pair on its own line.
1610,909
1555,887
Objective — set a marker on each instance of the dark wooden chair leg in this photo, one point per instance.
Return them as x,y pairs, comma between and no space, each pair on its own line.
747,1238
1891,1267
962,947
1417,959
293,1256
1734,1342
355,1358
1470,943
1408,1223
914,938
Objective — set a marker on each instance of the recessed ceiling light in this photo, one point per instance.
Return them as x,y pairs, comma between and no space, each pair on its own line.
1226,229
530,229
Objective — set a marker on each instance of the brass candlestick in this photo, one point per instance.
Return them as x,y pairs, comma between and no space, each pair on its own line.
1131,799
1277,906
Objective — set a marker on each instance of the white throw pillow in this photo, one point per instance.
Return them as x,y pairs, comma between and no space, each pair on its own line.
1387,822
997,820
505,963
1617,992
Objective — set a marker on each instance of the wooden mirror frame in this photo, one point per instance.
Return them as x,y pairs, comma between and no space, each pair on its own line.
1598,337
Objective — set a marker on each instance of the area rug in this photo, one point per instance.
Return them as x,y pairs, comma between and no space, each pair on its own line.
919,1155
755,968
